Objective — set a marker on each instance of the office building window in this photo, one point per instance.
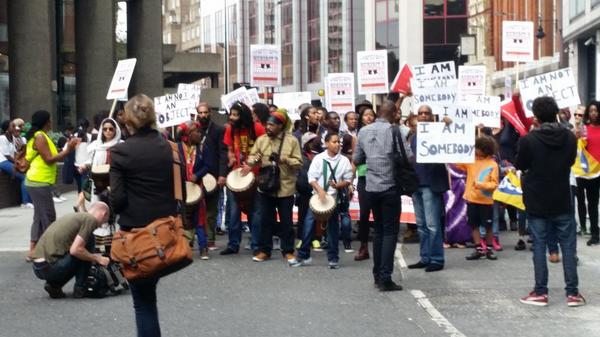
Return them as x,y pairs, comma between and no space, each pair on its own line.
287,57
386,32
207,34
576,8
444,22
253,21
314,41
334,35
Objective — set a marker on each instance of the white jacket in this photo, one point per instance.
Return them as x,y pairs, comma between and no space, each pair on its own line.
343,171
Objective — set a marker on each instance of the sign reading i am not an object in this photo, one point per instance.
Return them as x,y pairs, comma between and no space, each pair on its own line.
559,84
445,143
173,109
372,72
265,65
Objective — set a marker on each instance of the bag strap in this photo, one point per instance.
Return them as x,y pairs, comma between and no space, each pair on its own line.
177,182
395,136
281,146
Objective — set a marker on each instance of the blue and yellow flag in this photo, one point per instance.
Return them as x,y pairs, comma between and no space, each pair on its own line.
509,191
586,166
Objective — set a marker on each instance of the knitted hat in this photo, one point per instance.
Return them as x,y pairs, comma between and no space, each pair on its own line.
280,117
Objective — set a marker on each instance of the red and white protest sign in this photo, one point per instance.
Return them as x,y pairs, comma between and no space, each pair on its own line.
517,41
372,72
265,65
471,80
121,78
340,92
401,83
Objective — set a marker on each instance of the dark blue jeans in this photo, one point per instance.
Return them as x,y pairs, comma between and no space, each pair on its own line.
7,167
428,209
235,223
386,211
57,274
333,229
144,304
565,232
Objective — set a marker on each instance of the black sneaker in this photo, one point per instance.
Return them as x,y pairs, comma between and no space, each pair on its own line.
434,267
228,251
490,255
593,242
348,247
521,245
78,292
389,286
54,292
477,253
418,265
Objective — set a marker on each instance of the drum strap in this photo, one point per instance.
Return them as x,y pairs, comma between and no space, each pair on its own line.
326,164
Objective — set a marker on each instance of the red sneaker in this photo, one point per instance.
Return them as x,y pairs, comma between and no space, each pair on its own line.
496,245
575,300
535,299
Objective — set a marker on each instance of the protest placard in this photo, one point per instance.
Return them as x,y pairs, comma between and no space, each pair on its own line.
193,91
372,68
401,82
469,112
173,109
517,41
441,143
291,101
121,78
340,92
461,99
252,94
265,65
559,84
433,92
238,95
471,80
439,70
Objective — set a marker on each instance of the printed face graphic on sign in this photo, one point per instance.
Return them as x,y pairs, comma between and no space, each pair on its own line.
372,71
518,41
341,92
265,66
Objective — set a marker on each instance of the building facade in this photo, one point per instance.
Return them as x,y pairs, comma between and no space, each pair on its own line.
485,23
581,37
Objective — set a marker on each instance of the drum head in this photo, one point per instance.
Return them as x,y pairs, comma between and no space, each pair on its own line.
100,169
193,193
209,182
321,207
237,183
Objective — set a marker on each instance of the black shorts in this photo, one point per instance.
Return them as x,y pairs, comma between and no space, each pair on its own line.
479,215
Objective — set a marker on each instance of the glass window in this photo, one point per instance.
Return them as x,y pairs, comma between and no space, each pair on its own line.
434,7
576,8
456,7
433,31
207,34
219,27
334,34
455,27
287,64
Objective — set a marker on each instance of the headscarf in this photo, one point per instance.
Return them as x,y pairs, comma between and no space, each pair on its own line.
98,149
280,116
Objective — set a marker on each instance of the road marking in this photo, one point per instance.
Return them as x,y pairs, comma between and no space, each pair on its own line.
436,316
399,256
14,249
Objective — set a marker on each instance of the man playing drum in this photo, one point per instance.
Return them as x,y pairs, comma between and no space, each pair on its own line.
329,173
240,137
278,150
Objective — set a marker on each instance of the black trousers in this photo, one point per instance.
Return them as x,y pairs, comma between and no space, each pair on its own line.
365,211
270,207
588,189
386,211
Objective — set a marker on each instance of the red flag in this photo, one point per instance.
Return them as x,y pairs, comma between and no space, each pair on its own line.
401,83
509,112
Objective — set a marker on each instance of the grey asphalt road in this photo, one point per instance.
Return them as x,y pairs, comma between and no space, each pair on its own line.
233,296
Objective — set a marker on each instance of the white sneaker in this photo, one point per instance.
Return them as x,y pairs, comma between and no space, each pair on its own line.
62,198
27,205
57,200
302,262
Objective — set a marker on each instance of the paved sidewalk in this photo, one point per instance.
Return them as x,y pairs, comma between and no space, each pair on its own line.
15,224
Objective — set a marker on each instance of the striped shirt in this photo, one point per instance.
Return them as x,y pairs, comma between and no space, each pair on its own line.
374,148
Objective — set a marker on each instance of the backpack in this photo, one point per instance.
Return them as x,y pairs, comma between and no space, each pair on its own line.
104,281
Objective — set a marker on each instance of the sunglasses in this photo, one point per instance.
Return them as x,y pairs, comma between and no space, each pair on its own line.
108,129
578,115
423,113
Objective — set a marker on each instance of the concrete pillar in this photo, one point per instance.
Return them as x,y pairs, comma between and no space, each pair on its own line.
32,57
95,48
144,42
411,33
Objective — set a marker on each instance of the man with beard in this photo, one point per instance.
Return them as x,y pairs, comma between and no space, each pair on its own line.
240,137
278,147
214,152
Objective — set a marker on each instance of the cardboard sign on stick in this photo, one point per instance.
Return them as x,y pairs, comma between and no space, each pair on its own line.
121,78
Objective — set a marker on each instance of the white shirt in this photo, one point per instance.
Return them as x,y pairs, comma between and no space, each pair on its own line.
343,171
7,148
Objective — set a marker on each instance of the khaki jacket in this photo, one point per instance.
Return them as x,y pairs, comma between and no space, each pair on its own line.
290,164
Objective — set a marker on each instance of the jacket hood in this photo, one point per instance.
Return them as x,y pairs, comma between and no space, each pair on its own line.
551,134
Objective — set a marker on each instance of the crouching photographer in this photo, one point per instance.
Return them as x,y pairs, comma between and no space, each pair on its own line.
64,251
